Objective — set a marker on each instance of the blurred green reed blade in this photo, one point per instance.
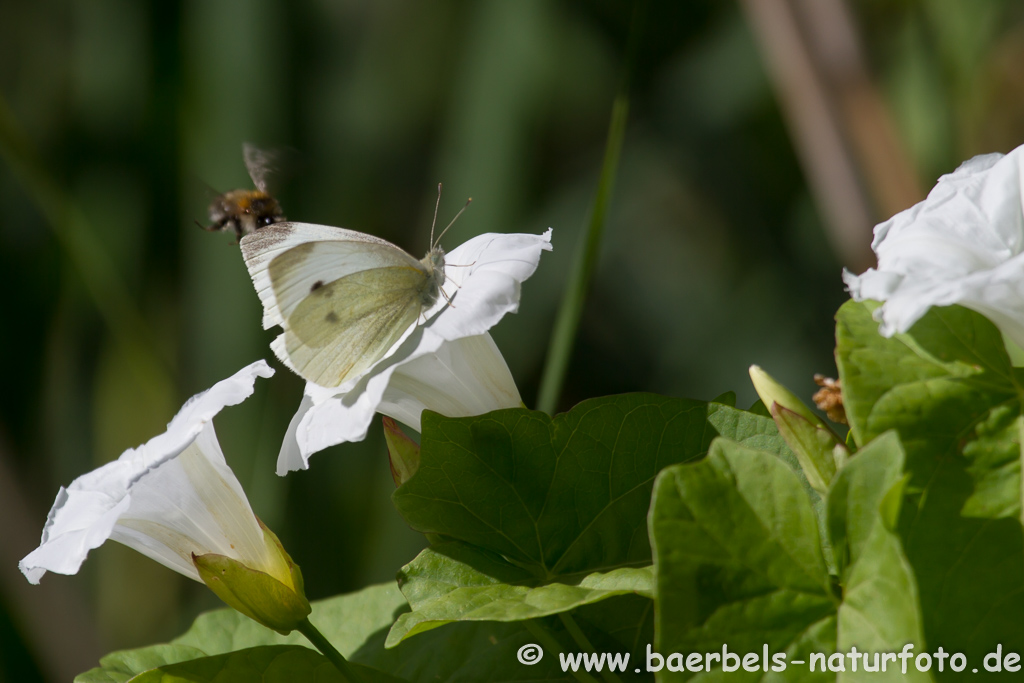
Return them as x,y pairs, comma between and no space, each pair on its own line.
557,364
94,265
583,265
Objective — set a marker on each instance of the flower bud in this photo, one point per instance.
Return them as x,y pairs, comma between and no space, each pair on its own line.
271,595
818,449
403,452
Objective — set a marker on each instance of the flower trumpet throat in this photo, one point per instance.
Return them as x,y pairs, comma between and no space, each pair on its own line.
271,594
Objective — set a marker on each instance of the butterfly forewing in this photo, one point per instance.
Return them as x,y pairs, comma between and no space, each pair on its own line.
289,261
342,328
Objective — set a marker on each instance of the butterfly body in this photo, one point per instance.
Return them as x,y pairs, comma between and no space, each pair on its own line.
433,266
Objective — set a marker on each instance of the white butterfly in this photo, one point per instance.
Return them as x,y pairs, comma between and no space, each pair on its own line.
343,298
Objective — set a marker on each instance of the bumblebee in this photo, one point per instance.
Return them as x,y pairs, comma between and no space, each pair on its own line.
245,211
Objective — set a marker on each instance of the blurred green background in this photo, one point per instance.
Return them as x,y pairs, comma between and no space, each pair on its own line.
765,139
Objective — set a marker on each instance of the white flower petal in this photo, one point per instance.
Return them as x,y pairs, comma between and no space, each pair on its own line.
327,417
175,486
483,278
962,245
461,378
465,377
290,458
192,503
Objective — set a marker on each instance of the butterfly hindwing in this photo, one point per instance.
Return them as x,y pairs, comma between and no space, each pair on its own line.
343,327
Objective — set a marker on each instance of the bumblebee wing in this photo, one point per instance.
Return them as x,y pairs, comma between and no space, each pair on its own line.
342,328
288,261
262,165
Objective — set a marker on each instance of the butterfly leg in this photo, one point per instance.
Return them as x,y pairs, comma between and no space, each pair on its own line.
447,298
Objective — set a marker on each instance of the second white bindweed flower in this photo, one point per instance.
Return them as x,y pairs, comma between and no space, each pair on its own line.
964,245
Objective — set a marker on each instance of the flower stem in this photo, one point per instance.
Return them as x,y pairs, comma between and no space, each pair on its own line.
321,643
553,646
589,248
581,639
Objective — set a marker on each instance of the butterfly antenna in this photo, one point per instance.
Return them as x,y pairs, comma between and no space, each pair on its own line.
433,244
436,207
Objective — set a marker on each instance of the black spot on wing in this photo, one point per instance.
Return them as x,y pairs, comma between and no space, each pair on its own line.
331,317
316,285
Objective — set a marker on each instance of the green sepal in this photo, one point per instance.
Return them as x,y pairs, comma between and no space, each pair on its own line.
254,593
269,537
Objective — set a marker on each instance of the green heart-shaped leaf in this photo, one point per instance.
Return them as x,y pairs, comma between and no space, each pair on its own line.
554,496
456,582
738,558
738,563
947,387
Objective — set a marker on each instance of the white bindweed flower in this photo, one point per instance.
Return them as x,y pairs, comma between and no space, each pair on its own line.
447,363
964,244
172,498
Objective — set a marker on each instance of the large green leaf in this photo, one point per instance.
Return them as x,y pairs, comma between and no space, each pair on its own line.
738,564
994,464
558,495
536,469
487,651
569,494
751,430
270,664
549,514
738,560
121,666
761,433
357,624
858,493
948,389
456,582
934,385
880,610
347,621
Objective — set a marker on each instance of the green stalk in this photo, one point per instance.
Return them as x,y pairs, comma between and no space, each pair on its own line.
86,253
581,639
321,643
554,647
589,249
